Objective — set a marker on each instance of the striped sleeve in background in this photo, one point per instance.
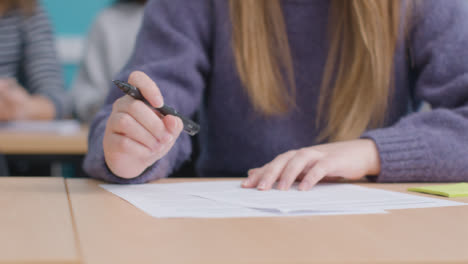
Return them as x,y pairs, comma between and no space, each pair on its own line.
10,45
42,70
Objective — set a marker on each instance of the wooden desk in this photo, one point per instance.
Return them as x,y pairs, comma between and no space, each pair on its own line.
111,230
22,143
35,222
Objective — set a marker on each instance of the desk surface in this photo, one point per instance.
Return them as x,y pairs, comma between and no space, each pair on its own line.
44,143
35,222
113,231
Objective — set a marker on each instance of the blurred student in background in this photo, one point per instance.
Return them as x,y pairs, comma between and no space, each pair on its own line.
109,46
31,84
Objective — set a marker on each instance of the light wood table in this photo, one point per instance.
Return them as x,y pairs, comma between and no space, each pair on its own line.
35,222
111,230
29,143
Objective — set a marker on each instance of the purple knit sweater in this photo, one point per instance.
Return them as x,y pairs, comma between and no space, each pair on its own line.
184,46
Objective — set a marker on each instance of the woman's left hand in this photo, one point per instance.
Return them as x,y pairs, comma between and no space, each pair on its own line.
348,159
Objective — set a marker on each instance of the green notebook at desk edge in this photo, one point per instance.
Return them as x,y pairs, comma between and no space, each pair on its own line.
447,190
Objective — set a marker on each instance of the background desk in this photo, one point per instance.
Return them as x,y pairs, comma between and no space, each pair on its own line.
28,143
111,230
35,222
51,149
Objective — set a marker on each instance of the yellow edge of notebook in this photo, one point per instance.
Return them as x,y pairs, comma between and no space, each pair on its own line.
447,190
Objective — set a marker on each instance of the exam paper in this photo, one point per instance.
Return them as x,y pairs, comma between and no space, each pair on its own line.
226,199
175,201
159,202
323,197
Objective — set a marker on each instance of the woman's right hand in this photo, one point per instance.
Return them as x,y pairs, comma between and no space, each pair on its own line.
135,136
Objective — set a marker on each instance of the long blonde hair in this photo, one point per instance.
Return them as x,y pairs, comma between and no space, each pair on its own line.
358,74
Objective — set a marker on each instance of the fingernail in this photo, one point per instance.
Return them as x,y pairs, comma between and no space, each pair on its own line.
246,182
304,186
180,124
159,102
262,186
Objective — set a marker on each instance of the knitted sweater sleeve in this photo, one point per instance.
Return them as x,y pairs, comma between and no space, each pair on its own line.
173,49
432,146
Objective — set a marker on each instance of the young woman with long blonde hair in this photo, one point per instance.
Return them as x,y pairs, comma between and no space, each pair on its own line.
293,90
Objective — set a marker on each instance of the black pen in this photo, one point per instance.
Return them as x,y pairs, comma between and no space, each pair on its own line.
190,127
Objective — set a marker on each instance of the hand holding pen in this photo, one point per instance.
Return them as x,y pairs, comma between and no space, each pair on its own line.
135,137
190,127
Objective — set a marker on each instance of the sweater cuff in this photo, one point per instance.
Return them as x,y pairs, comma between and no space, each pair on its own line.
156,171
403,154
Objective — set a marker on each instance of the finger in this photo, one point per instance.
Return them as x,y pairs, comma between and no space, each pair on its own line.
14,86
173,124
5,111
144,116
13,98
272,170
126,147
254,170
17,97
174,127
5,102
4,83
8,84
148,88
253,178
313,176
126,125
295,166
3,114
4,93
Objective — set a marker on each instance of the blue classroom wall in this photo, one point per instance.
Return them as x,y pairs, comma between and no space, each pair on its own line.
71,20
75,16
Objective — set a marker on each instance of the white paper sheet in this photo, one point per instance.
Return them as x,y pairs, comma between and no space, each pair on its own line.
226,199
174,200
162,203
63,127
323,197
